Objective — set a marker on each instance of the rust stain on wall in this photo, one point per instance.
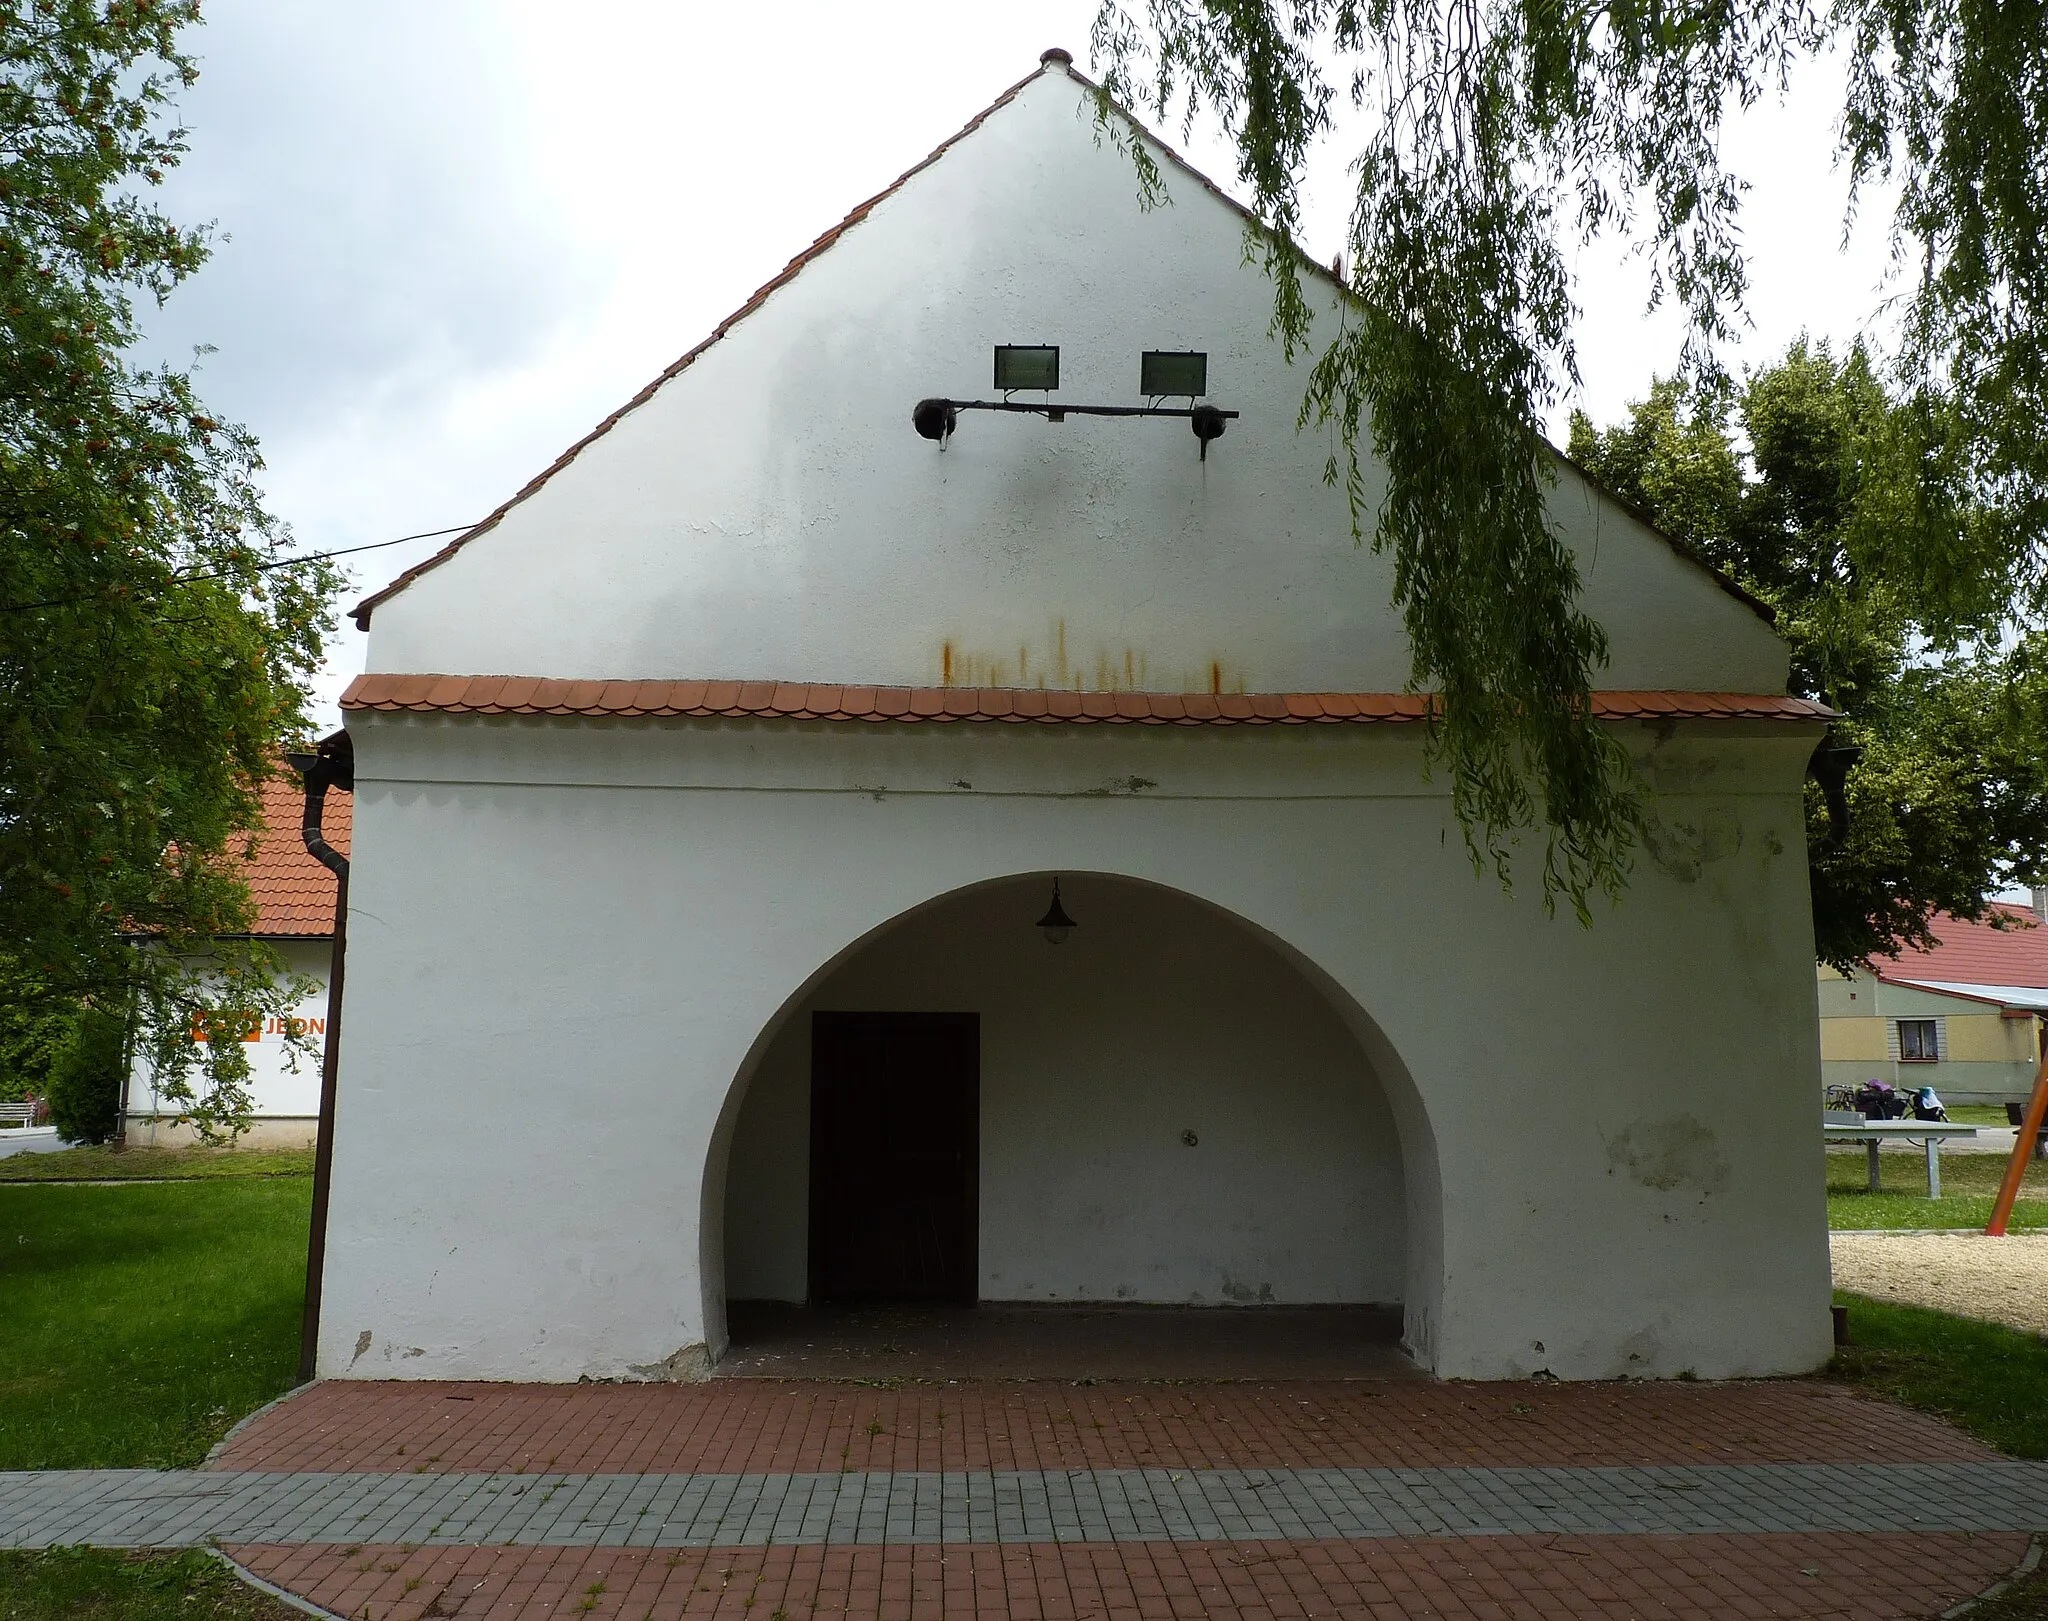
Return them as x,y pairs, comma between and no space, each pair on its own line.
1053,665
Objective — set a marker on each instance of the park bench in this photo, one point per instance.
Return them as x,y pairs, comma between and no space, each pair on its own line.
1838,1128
18,1114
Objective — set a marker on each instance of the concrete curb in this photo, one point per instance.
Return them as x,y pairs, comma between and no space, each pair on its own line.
2025,1567
244,1573
111,1181
1931,1232
213,1452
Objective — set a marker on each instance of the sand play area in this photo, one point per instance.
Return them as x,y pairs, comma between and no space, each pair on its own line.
2004,1280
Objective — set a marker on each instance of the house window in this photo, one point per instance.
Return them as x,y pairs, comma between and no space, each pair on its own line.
1919,1041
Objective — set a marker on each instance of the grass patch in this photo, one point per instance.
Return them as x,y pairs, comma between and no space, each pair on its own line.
2025,1600
137,1324
151,1164
1969,1183
102,1584
1978,1114
1990,1380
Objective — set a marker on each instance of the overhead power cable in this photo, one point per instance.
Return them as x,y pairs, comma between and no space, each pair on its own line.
260,568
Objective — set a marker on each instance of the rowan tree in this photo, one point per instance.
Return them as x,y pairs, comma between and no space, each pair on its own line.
153,653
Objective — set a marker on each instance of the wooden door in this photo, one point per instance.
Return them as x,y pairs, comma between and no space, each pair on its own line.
895,1139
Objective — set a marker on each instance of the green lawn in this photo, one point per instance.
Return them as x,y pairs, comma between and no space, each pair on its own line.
1978,1114
137,1324
100,1584
1991,1380
146,1164
1969,1182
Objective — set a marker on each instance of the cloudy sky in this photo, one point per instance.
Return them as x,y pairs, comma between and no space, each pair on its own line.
455,233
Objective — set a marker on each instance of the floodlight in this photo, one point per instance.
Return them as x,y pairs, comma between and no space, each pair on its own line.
1164,371
1027,366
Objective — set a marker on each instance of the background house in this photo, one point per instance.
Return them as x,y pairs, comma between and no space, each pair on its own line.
294,899
1967,1016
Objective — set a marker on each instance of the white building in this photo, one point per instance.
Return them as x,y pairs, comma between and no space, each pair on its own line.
730,765
294,899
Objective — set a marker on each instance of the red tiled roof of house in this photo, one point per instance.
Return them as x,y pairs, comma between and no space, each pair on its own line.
1977,953
783,700
294,894
789,272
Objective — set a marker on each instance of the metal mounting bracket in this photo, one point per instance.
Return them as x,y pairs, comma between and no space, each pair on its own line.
937,419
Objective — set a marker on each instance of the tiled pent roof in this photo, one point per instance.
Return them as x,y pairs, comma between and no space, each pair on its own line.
294,894
1977,953
782,700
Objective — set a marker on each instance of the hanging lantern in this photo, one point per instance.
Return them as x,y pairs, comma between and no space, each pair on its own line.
1056,925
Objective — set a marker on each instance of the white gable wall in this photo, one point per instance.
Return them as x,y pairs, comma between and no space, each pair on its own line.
770,514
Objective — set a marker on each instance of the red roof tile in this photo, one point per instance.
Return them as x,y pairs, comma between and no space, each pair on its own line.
1977,953
770,700
294,894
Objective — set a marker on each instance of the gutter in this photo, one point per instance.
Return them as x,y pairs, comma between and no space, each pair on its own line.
331,765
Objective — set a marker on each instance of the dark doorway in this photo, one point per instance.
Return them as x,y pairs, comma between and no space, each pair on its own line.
895,1139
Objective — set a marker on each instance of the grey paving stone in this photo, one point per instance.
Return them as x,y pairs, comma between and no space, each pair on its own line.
143,1508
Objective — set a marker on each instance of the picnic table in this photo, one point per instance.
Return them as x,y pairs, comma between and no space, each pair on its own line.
1871,1133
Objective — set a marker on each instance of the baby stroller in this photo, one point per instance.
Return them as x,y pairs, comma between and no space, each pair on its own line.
1926,1106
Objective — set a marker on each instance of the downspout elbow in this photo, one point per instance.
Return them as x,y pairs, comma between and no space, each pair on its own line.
331,765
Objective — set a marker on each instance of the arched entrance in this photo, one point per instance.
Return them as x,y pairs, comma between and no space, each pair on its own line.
1162,1110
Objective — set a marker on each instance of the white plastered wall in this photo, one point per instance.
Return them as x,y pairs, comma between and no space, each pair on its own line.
574,943
1159,1017
284,1081
770,514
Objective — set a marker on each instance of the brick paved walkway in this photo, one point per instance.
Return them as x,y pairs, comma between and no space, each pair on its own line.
763,1426
768,1499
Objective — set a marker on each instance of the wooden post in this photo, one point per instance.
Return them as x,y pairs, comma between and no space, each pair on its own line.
2022,1150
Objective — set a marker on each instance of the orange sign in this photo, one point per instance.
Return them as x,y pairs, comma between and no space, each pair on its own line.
251,1027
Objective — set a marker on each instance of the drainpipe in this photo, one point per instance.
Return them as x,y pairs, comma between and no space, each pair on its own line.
1830,766
333,765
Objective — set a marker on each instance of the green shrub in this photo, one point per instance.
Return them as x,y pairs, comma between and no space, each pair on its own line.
32,1033
85,1077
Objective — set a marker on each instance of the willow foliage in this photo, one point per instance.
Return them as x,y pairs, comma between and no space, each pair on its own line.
152,654
1499,136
